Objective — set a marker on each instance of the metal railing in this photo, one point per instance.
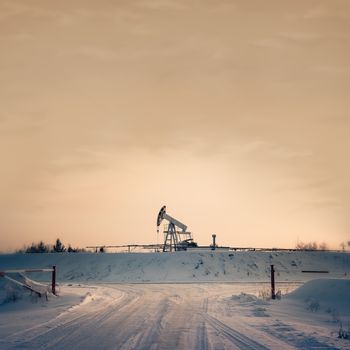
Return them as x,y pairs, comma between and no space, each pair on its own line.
53,270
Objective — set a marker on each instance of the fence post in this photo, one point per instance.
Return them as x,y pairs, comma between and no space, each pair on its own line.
273,294
54,280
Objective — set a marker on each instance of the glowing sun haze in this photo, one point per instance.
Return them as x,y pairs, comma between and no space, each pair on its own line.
234,114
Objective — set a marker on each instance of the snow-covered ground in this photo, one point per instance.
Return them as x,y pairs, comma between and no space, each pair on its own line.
101,307
182,266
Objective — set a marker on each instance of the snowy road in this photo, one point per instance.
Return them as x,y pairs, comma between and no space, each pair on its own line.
167,316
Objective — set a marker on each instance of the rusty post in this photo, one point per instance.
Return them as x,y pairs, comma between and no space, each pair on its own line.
273,294
54,280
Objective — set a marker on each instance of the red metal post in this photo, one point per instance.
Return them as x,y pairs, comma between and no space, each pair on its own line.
273,294
54,280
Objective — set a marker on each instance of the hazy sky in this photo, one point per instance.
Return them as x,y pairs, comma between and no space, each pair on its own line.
234,114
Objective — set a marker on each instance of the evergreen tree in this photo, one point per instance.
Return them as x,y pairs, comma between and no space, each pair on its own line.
58,247
40,247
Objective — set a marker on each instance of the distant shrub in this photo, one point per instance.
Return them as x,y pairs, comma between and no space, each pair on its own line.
313,305
70,249
342,333
264,294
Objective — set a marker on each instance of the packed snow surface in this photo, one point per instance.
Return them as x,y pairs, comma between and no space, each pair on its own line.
164,301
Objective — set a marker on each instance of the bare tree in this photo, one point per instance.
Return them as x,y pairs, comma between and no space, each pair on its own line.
323,246
342,246
307,246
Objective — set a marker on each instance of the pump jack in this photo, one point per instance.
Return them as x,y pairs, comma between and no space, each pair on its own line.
174,239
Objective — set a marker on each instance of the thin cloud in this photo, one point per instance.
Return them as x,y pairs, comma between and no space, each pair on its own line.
246,102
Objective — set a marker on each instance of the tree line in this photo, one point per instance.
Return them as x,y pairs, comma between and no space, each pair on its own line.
311,246
42,247
319,246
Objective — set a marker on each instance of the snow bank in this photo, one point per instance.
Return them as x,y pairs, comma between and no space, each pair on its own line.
228,266
9,292
328,293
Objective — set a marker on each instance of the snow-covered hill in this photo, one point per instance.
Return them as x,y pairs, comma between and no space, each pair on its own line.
197,266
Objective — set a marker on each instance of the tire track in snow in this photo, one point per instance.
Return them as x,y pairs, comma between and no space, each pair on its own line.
121,326
202,332
202,336
237,338
146,317
148,332
82,332
66,324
